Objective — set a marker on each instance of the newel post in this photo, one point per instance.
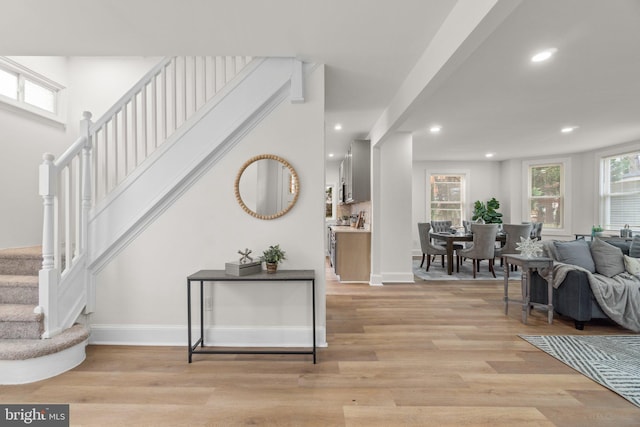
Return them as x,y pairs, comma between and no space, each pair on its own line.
48,276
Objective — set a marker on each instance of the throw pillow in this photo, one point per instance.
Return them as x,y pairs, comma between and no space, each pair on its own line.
575,252
608,259
634,249
632,265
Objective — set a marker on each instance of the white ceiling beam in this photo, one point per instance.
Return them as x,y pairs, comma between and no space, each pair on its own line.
466,27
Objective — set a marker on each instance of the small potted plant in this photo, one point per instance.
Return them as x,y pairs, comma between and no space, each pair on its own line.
272,257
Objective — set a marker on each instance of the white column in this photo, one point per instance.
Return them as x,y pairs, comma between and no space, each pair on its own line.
376,237
391,256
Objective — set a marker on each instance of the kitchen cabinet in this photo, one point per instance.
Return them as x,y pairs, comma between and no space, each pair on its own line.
355,172
350,253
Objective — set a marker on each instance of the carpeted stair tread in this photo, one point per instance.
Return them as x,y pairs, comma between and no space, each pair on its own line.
19,289
21,349
18,280
21,261
18,321
19,313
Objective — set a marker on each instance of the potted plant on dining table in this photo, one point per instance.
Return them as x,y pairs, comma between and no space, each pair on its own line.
487,213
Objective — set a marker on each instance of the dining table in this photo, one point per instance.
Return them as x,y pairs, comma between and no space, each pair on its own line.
451,238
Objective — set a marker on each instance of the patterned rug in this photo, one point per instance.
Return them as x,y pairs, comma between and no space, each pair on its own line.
610,360
437,272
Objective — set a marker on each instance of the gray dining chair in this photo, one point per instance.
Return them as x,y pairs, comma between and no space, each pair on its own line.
484,245
513,234
428,248
441,226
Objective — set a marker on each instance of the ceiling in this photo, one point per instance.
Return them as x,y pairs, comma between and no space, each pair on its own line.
493,100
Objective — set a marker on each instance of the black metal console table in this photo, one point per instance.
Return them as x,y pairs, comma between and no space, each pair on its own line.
203,276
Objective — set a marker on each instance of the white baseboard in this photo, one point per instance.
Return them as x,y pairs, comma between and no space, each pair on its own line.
41,368
176,335
375,280
398,278
379,279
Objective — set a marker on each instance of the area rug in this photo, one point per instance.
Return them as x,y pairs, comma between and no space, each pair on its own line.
437,272
610,360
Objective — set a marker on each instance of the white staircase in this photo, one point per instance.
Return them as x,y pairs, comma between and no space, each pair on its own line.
131,164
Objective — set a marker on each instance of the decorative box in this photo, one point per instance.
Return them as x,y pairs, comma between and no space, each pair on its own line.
235,268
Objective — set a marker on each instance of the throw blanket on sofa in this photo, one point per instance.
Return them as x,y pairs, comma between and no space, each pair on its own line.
618,296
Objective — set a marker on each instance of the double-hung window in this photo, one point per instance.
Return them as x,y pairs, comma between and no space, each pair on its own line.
546,194
620,191
447,197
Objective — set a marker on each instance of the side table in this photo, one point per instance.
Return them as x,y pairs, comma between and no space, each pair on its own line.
527,265
212,276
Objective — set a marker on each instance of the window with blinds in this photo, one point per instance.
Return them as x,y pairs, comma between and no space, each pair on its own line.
447,198
620,191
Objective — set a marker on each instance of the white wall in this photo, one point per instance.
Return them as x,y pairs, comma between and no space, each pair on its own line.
141,295
93,84
96,83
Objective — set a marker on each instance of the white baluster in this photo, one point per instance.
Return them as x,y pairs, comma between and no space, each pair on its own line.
174,91
85,125
164,104
125,131
67,194
134,130
143,125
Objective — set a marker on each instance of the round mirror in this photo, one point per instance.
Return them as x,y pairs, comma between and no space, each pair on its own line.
267,186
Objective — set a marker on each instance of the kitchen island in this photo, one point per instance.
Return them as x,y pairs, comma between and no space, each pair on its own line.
350,253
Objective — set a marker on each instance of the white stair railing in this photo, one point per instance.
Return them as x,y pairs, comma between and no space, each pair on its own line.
147,115
106,153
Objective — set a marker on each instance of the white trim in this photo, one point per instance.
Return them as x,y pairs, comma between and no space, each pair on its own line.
398,278
375,280
599,178
30,111
176,335
466,204
567,180
41,368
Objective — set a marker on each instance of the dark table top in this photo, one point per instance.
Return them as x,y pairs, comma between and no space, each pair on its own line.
221,275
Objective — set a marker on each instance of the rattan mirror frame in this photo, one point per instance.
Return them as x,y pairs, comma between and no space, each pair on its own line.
236,186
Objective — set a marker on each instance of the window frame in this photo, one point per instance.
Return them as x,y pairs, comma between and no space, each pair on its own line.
20,106
465,193
565,191
601,158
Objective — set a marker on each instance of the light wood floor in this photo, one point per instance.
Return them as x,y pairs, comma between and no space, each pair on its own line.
430,353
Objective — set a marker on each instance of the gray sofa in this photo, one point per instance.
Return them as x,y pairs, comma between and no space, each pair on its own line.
574,297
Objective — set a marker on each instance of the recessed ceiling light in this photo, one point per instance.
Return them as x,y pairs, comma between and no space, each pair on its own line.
489,155
330,154
543,55
435,129
338,126
568,129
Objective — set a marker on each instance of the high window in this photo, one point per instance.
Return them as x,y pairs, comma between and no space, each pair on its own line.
546,195
620,191
447,197
24,89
